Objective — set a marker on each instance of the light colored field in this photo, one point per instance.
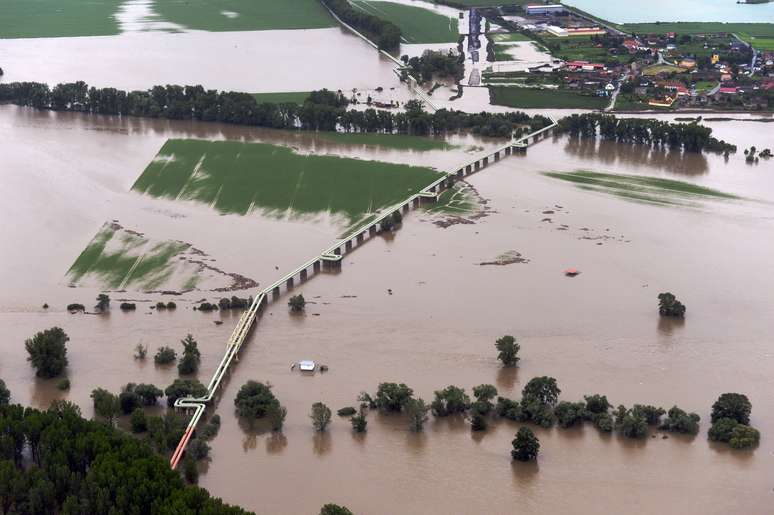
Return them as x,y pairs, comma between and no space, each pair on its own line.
417,25
236,177
661,68
510,37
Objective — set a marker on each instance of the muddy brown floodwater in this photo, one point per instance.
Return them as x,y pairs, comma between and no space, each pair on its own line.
596,333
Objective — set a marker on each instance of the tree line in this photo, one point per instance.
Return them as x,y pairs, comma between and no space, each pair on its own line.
323,110
384,33
690,137
55,461
431,62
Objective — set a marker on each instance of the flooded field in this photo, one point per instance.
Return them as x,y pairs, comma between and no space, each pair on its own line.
419,308
665,11
305,60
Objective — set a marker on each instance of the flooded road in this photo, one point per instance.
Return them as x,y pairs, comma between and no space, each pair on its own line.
597,333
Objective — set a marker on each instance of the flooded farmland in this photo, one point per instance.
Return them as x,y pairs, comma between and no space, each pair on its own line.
419,308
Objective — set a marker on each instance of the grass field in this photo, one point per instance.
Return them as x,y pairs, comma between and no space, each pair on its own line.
117,258
57,18
418,25
760,35
544,98
581,48
395,141
291,97
237,15
661,68
641,188
236,177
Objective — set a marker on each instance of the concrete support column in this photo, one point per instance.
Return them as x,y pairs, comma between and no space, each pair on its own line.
468,169
304,275
497,156
348,245
406,207
460,172
337,251
360,237
289,283
316,266
507,151
372,230
276,292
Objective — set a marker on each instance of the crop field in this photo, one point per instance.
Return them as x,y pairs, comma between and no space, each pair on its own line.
238,15
544,98
236,177
457,200
655,69
418,25
118,258
57,18
641,188
393,141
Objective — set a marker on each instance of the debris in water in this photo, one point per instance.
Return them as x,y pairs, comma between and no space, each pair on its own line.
217,322
571,272
506,258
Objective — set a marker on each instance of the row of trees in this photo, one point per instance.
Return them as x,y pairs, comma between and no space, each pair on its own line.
323,110
384,33
690,137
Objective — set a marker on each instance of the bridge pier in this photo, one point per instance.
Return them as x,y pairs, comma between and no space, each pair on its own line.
478,165
486,162
372,230
406,207
289,283
497,156
508,150
360,237
337,251
304,275
468,169
316,266
275,293
460,173
416,202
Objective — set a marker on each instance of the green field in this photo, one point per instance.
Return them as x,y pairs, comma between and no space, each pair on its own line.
57,18
581,48
236,177
418,25
760,35
236,15
395,141
117,258
641,188
544,98
290,97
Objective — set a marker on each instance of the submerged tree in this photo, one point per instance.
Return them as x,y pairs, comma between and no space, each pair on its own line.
165,355
321,416
106,405
669,306
334,509
392,396
254,400
359,421
103,303
189,363
297,303
732,405
47,352
525,446
508,350
450,401
5,394
184,388
416,410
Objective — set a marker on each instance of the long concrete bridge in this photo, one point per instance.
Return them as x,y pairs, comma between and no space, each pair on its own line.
331,258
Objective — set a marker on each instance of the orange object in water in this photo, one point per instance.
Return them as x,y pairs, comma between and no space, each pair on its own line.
571,272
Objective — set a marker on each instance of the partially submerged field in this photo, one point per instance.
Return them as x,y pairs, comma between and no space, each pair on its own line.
67,18
641,188
418,25
120,258
54,18
237,15
236,177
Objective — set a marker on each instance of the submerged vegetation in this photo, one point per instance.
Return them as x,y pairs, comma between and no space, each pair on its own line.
237,177
416,24
690,137
384,33
47,352
641,188
323,110
120,258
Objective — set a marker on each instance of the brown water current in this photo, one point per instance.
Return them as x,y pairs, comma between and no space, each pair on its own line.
63,175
